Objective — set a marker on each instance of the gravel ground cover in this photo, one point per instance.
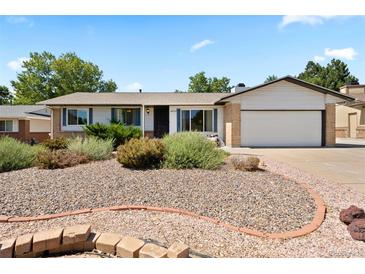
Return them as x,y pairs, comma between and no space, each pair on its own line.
259,200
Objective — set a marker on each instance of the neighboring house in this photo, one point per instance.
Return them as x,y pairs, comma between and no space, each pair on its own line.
350,118
284,112
25,122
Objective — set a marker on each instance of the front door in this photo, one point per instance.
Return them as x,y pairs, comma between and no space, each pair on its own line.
352,124
161,121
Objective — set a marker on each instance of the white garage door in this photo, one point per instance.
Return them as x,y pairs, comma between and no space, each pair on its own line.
281,128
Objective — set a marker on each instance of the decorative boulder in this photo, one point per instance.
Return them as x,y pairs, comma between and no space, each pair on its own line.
351,213
357,229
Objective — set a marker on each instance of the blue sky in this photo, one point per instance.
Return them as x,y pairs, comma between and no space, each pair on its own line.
159,53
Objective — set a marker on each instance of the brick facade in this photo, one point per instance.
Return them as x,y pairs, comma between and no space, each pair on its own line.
330,124
232,125
24,134
56,126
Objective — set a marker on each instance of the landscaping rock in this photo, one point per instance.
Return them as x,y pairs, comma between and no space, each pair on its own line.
178,250
47,240
153,251
357,229
90,243
7,248
129,247
351,213
23,245
76,234
107,242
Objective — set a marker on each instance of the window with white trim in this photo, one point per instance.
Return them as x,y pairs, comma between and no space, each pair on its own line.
77,117
129,116
6,125
197,120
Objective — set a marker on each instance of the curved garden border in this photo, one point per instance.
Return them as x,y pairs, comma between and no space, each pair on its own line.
314,225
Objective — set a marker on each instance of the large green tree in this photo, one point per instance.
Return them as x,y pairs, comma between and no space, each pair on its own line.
200,83
270,78
5,95
45,76
334,75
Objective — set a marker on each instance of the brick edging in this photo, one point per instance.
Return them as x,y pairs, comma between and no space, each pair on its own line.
314,225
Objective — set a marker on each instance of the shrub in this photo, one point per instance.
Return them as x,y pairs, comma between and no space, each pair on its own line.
116,131
56,143
250,163
141,153
52,159
95,149
15,154
191,150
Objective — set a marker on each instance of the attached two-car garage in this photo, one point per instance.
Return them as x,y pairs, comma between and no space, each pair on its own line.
281,128
287,112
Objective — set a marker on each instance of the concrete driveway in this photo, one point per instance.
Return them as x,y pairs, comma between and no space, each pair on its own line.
344,163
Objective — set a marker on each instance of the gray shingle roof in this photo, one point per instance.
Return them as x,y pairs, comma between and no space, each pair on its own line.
136,98
24,111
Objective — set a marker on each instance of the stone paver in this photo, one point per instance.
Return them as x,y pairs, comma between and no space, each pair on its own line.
7,248
153,251
178,250
23,244
76,234
47,240
129,247
90,243
107,242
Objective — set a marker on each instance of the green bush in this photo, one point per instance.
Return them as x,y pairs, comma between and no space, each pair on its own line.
16,155
141,153
56,143
95,149
61,158
191,150
116,131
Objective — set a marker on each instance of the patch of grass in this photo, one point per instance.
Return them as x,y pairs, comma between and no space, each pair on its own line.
141,153
16,155
94,148
191,150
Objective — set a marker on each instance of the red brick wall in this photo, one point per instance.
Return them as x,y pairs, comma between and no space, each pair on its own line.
24,135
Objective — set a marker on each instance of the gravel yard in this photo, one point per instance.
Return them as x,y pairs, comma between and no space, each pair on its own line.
259,200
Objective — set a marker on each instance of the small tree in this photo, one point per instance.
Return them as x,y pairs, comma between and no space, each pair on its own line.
5,96
270,78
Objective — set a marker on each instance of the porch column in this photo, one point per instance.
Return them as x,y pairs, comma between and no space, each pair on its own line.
142,122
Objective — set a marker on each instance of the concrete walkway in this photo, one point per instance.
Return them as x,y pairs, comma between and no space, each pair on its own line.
344,163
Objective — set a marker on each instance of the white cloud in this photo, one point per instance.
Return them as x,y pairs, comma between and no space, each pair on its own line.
201,44
133,86
346,53
20,20
17,64
318,59
304,19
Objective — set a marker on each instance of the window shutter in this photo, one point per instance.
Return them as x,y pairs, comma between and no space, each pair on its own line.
90,116
215,125
178,127
138,117
64,117
113,115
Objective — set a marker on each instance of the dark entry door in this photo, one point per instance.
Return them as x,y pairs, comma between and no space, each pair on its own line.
161,121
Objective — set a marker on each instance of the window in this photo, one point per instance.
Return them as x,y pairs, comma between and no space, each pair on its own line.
76,117
197,120
129,116
362,117
6,125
